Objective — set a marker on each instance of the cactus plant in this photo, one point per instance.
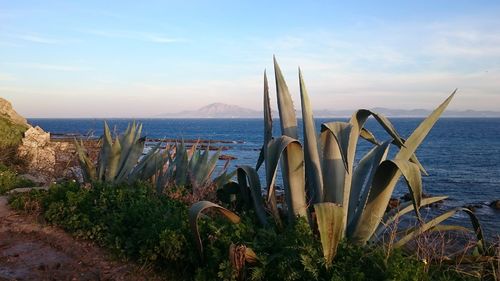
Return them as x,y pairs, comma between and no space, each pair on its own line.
191,168
120,160
348,199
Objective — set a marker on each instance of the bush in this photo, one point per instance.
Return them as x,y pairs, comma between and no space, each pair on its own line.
11,135
9,179
134,223
129,220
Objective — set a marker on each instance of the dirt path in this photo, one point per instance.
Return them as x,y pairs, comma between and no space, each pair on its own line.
32,251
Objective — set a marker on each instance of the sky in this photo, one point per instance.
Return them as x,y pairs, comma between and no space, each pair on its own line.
147,58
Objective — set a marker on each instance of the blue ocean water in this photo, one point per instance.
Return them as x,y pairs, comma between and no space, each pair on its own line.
461,155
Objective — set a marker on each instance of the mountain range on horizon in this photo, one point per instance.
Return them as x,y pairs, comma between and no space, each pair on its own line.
222,110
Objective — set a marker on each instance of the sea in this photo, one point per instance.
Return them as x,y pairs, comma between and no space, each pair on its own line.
461,155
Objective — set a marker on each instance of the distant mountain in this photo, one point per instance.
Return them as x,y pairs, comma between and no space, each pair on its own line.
218,110
222,110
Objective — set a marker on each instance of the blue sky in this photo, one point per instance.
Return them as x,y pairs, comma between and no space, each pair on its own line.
138,59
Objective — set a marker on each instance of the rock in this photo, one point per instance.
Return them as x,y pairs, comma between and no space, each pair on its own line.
495,204
27,189
34,179
473,207
7,111
38,153
226,157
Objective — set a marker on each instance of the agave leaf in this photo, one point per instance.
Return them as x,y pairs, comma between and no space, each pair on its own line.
329,217
387,178
128,155
416,138
260,160
200,169
181,164
369,136
253,185
362,116
105,152
194,213
334,139
341,132
210,167
137,172
113,161
380,184
413,159
223,178
413,178
131,159
409,206
415,232
88,168
288,120
152,166
314,177
482,243
362,178
293,171
401,210
443,227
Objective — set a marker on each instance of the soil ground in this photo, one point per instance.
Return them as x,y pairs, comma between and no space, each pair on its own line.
30,250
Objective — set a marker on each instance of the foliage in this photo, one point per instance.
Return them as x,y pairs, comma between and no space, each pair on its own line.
9,179
192,173
120,160
134,223
129,220
321,179
11,135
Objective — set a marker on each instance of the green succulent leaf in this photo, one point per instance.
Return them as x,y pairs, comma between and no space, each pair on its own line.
386,178
293,172
249,182
329,217
194,213
314,177
362,178
288,120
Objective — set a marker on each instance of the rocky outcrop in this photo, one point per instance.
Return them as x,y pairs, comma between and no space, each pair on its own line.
37,153
495,204
8,112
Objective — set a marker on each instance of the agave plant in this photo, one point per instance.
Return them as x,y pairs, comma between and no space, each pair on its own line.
192,168
120,160
321,179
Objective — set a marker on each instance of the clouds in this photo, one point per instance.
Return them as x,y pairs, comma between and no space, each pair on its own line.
51,67
147,60
144,36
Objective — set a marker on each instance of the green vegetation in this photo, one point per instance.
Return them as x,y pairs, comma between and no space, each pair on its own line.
328,227
9,179
321,179
11,135
134,223
120,161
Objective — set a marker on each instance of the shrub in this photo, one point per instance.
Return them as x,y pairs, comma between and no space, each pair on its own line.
10,138
9,179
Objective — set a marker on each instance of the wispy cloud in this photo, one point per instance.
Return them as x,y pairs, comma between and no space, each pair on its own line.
54,67
37,39
135,35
